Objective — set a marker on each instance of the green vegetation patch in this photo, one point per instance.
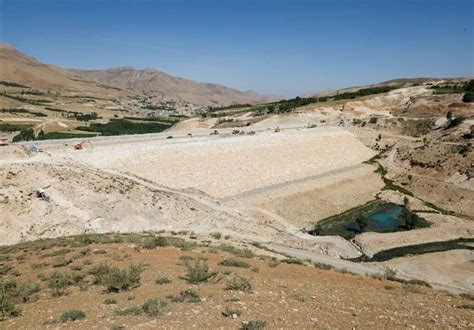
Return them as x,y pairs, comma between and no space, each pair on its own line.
417,128
12,84
233,262
7,127
64,135
72,315
457,244
25,111
123,127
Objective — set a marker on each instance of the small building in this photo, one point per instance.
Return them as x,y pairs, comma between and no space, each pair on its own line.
3,141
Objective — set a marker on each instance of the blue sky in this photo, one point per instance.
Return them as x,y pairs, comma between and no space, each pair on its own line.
281,47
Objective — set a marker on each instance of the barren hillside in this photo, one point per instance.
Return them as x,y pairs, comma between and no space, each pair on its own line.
16,67
153,82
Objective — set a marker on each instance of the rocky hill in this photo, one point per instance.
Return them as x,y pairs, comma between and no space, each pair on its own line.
157,83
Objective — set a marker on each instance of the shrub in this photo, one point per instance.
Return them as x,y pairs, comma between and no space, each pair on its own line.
362,222
25,292
162,280
468,296
466,306
61,262
412,221
99,271
294,261
26,134
216,235
110,301
233,262
72,315
390,274
253,325
243,253
199,273
239,283
155,241
116,280
273,262
468,97
7,307
58,283
186,296
152,307
229,312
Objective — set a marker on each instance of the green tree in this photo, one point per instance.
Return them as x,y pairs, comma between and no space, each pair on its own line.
362,222
26,134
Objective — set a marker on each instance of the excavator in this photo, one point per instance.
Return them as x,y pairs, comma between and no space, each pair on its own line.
81,145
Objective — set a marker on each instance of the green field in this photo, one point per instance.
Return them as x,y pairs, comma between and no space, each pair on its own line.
124,127
6,127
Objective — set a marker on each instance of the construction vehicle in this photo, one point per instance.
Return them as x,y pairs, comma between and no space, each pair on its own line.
81,145
277,129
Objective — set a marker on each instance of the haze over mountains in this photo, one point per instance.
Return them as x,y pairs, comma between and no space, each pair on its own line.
120,82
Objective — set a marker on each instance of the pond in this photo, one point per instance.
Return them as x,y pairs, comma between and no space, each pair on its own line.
381,217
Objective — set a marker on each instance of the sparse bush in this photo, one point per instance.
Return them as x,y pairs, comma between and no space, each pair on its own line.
255,269
156,241
152,307
294,261
229,312
72,315
233,262
39,265
116,280
77,277
61,262
162,280
468,296
239,283
390,274
466,306
7,307
110,301
272,262
243,253
24,293
199,273
186,259
254,325
298,297
58,283
216,235
186,296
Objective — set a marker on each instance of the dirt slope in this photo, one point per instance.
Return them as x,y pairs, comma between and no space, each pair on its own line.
280,294
21,69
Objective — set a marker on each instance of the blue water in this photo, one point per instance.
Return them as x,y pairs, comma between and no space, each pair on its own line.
386,219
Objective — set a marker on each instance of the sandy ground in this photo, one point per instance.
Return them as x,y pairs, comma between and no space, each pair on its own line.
454,268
